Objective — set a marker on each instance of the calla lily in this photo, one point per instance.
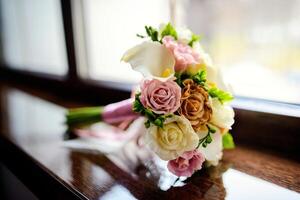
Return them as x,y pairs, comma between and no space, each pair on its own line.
152,59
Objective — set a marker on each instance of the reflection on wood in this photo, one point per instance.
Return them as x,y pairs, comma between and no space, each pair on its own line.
36,143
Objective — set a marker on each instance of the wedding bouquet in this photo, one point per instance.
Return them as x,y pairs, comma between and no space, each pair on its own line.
182,98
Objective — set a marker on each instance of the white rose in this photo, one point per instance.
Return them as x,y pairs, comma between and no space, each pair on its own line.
206,63
213,151
214,74
184,35
222,114
171,141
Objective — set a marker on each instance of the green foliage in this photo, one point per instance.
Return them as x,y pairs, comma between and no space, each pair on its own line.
153,118
200,77
169,30
137,105
207,139
227,140
222,96
152,33
140,36
178,78
195,38
156,119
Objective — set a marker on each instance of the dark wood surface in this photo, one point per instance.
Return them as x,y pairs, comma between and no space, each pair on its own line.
32,147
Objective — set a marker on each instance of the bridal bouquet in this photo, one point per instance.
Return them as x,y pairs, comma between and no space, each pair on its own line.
182,98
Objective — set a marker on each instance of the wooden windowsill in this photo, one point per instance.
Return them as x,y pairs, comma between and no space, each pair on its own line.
31,146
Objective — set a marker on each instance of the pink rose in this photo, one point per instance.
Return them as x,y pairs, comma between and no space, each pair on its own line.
183,53
161,97
186,164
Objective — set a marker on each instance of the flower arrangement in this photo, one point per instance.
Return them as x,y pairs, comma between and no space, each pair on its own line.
182,98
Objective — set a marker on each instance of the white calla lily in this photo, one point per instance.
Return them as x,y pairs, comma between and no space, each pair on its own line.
213,151
152,59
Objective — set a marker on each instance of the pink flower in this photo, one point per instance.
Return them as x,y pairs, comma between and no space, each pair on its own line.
183,53
186,164
160,96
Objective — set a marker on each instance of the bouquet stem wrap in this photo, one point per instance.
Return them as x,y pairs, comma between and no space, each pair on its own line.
112,114
119,112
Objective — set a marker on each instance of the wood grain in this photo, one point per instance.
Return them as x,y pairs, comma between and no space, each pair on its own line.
31,147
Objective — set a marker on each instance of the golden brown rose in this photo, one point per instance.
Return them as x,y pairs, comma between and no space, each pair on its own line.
195,104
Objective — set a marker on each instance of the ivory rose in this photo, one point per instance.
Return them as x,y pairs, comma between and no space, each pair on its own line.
223,115
176,137
183,53
162,97
214,74
195,105
187,163
184,35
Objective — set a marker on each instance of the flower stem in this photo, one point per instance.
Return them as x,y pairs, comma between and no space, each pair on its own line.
81,117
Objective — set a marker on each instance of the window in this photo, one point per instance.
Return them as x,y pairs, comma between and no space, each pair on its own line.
33,37
110,29
255,43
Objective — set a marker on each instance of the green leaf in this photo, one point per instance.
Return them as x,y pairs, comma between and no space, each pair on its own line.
152,118
220,94
152,33
200,77
207,139
137,105
140,36
195,38
147,124
211,129
150,115
169,30
227,140
178,78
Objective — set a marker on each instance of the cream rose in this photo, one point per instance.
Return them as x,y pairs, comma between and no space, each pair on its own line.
171,141
222,114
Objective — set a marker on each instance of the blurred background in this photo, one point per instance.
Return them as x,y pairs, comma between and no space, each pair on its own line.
56,53
255,43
